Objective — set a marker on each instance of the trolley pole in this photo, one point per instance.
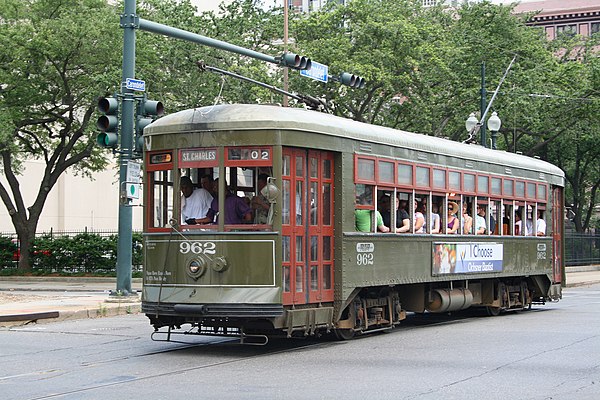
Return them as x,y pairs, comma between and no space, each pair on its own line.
129,23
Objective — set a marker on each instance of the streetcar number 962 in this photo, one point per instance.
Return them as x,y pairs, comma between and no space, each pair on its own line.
364,259
197,247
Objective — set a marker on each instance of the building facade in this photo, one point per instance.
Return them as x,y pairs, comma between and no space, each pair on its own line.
75,203
560,17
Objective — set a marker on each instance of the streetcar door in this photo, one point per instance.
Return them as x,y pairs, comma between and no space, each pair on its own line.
320,226
557,231
307,226
293,226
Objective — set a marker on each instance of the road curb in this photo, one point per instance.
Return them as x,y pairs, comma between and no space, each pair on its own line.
103,310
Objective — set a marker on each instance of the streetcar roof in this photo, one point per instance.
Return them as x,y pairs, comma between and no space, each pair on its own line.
267,117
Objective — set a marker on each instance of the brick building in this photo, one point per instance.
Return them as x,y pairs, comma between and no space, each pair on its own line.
564,17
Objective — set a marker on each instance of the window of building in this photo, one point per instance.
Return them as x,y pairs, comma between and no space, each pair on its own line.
567,30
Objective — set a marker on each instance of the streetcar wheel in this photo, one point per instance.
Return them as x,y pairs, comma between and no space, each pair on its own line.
493,311
344,334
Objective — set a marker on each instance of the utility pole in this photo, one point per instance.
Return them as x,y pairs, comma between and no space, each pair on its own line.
125,239
285,44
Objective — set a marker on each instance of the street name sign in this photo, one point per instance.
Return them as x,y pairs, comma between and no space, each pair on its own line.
317,71
135,84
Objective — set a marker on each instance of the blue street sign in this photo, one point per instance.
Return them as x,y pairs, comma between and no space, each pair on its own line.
318,72
135,84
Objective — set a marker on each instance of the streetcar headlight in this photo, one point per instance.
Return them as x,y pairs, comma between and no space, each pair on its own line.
196,268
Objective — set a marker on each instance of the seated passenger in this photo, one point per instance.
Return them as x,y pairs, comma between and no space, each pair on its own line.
467,221
363,218
194,202
237,211
453,222
435,219
419,218
540,229
480,224
402,217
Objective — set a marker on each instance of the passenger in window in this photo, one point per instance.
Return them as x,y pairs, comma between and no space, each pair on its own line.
466,221
363,217
259,203
195,203
480,224
453,222
208,184
236,209
518,224
419,218
540,229
402,217
435,219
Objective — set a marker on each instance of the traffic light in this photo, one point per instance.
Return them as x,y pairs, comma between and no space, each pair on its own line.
351,80
295,61
147,111
108,123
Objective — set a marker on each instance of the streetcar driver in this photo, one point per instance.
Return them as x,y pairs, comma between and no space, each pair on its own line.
194,202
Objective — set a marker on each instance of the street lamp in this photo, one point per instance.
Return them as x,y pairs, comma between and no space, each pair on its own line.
493,125
471,122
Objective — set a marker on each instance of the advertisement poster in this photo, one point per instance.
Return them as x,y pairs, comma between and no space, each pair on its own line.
467,258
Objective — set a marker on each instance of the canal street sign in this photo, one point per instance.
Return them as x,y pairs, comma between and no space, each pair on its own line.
135,84
317,71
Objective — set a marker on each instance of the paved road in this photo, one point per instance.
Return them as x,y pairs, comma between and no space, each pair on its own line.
551,352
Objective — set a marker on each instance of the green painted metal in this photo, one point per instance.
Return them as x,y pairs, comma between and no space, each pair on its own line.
124,249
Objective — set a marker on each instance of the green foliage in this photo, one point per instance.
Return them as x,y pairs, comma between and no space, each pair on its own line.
7,250
85,253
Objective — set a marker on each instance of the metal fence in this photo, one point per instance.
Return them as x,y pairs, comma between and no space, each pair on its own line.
582,249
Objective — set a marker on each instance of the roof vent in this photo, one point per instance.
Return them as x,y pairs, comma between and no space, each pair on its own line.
366,147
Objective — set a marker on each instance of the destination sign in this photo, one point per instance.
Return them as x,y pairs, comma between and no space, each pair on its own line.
198,157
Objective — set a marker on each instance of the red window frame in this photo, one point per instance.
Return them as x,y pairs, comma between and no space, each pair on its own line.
464,189
378,175
415,180
445,172
357,179
460,181
149,169
412,175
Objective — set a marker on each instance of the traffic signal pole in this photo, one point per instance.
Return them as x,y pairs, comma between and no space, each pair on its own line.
130,21
125,237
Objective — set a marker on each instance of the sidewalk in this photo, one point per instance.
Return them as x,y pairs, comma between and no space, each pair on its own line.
25,300
48,299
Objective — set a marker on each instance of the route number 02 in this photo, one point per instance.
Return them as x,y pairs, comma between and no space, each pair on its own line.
255,155
364,259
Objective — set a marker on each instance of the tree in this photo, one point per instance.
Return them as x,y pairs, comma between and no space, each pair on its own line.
56,57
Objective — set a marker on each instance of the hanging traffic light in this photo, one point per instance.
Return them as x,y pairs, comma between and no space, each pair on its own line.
108,123
353,81
295,61
147,111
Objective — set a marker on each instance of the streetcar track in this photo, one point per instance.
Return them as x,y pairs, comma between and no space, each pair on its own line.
177,371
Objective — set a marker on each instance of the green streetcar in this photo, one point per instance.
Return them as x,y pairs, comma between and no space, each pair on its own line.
478,227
